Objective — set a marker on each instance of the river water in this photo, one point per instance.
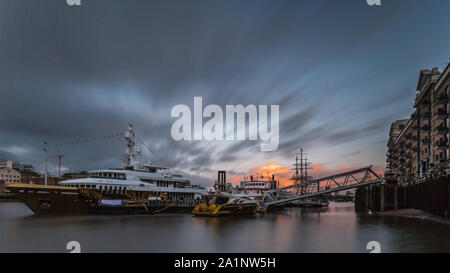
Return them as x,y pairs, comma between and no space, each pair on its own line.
334,229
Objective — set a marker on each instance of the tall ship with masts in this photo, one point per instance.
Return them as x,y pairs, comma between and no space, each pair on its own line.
300,176
133,182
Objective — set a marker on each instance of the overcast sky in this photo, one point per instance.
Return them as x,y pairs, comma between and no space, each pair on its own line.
341,72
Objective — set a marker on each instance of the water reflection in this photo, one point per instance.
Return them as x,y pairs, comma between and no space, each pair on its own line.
333,229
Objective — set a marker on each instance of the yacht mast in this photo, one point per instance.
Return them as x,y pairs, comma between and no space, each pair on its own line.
129,158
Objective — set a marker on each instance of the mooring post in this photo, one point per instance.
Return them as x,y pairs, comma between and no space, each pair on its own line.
381,197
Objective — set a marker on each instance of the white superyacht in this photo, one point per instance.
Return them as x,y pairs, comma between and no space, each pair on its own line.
139,181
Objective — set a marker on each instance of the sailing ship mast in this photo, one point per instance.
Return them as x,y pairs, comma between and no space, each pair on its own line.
301,169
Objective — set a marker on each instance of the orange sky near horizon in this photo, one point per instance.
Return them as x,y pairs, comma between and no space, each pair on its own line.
284,174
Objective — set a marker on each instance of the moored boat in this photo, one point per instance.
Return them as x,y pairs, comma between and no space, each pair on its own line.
255,187
145,184
224,204
311,202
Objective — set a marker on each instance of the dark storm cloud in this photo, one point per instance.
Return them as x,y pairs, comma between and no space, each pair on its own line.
68,73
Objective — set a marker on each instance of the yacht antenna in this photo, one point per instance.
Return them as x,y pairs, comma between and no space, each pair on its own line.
129,158
46,159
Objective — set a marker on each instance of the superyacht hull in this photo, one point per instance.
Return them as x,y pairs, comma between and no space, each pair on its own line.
50,199
70,200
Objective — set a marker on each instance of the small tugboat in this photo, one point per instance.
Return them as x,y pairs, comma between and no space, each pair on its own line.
226,204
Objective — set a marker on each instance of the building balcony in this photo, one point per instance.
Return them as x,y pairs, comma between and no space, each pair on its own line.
425,115
442,99
425,141
441,113
425,104
441,144
440,130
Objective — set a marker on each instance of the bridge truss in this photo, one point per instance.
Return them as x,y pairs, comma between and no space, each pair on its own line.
334,183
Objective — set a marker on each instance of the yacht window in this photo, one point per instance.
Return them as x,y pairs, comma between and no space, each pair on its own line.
220,200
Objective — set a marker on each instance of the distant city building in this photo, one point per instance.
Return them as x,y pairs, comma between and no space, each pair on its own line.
6,163
28,168
8,176
38,178
418,147
76,175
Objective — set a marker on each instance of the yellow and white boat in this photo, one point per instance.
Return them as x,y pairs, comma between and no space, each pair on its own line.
224,204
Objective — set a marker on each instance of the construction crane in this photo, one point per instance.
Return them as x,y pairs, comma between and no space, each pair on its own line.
59,162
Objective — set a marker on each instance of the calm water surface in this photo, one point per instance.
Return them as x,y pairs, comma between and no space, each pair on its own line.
335,229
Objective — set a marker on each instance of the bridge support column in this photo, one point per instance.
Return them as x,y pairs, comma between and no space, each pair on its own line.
381,197
395,197
367,189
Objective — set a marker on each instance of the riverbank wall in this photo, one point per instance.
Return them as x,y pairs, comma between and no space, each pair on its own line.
431,196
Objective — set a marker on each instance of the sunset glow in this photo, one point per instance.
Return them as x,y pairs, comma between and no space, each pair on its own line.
284,174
